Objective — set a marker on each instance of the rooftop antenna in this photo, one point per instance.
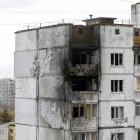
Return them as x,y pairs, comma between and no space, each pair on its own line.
90,16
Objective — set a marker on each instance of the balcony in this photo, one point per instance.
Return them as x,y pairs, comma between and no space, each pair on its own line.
84,97
82,70
137,69
137,122
82,123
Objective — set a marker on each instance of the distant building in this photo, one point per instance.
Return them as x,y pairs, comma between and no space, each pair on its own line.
7,131
7,92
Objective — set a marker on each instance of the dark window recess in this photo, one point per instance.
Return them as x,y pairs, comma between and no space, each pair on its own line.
75,112
79,58
116,59
81,85
81,111
112,59
116,85
136,33
80,30
138,135
112,112
83,137
117,31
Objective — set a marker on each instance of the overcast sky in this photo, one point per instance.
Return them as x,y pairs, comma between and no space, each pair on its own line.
17,14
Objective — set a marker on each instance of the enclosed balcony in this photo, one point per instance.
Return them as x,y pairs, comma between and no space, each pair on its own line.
84,124
85,135
84,97
82,70
84,117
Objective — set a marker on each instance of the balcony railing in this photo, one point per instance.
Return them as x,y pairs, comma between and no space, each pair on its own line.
84,123
82,70
84,96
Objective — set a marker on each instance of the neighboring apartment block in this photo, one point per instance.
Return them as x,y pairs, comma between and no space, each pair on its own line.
7,131
7,92
76,82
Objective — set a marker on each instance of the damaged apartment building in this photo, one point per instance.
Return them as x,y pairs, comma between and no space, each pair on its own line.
79,82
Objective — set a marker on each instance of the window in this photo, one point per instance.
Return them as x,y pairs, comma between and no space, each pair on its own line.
116,85
84,136
137,59
81,30
117,31
117,113
78,111
136,33
84,110
137,109
116,59
117,136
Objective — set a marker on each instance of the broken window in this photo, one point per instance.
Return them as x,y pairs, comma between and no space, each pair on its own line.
116,59
117,113
117,136
116,85
84,136
84,110
117,31
137,109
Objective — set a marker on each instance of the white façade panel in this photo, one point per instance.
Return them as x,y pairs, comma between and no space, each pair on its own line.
26,111
53,36
24,63
25,87
25,132
26,40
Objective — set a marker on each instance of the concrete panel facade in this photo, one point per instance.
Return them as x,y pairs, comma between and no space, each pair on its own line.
105,113
24,132
24,63
26,88
105,134
26,111
26,41
110,39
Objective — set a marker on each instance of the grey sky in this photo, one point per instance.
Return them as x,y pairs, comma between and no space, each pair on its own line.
54,10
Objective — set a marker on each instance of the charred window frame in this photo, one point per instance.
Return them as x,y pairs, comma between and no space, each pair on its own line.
116,59
116,85
117,112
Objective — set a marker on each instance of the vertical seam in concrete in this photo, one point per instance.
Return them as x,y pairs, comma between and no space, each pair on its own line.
37,86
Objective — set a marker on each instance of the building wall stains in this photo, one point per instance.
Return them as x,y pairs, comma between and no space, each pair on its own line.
76,82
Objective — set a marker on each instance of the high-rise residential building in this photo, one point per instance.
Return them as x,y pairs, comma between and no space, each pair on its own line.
7,92
78,82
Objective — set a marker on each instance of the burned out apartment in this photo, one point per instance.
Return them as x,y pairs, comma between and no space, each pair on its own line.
79,82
